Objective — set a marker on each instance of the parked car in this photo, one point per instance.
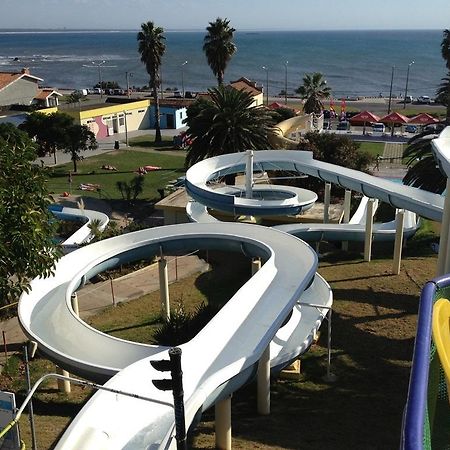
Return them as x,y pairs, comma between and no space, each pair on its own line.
342,126
411,129
409,99
378,127
424,99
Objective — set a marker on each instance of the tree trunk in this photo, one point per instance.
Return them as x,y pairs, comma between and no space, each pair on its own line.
220,78
74,160
54,155
158,138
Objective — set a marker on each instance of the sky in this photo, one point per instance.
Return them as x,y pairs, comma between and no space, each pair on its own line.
243,14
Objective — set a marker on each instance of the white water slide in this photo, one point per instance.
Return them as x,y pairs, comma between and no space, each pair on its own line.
224,355
199,177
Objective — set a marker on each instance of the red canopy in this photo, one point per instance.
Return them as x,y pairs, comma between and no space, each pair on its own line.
394,117
364,117
276,105
423,119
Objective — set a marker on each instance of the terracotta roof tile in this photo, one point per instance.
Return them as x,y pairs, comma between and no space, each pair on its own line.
7,78
244,84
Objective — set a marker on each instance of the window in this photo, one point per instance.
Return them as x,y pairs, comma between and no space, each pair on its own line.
121,121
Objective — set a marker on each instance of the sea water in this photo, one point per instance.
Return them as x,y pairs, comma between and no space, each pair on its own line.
354,63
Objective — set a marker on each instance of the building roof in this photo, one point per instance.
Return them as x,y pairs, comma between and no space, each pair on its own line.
244,84
7,78
176,103
45,93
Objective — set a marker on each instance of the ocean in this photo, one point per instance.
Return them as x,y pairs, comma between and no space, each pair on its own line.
354,63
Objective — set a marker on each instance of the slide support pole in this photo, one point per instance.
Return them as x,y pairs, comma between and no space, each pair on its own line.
223,424
164,288
63,385
399,223
369,230
74,301
326,203
249,175
264,383
347,204
256,265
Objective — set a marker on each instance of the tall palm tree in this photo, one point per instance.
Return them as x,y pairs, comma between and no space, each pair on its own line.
423,171
227,123
152,48
445,47
314,89
218,46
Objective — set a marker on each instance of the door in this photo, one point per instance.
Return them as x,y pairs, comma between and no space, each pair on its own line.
170,121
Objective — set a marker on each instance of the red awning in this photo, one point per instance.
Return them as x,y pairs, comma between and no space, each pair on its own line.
364,117
394,117
423,119
276,105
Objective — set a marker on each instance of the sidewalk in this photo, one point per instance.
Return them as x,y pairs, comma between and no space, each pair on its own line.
92,298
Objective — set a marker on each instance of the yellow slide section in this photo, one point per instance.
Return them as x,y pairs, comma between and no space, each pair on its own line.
441,335
285,128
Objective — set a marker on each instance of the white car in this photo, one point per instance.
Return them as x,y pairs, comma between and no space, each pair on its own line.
424,99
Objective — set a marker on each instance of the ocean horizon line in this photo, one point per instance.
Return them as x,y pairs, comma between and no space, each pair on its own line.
13,30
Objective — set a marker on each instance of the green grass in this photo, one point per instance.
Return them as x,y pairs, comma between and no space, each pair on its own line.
374,148
149,141
126,162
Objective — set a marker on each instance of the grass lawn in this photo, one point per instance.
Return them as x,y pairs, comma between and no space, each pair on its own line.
126,162
374,148
148,141
374,324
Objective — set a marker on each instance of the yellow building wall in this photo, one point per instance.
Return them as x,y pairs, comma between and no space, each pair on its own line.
110,119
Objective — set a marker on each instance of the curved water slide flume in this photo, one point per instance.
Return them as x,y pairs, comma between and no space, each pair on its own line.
222,357
84,234
199,176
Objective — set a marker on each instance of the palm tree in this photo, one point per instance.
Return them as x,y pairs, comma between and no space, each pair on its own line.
314,89
423,171
152,48
218,46
227,123
445,47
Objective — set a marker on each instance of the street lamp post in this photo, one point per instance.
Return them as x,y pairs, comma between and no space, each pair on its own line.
285,81
182,77
99,66
100,81
267,84
406,87
390,90
128,75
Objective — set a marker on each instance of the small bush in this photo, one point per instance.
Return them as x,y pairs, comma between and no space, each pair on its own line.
182,325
